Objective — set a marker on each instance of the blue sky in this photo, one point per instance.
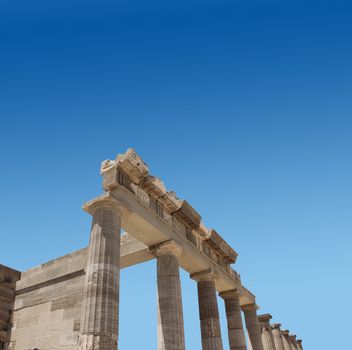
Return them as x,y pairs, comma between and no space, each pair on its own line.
243,108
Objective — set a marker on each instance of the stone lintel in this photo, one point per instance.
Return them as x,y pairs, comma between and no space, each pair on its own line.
166,248
188,215
203,276
230,294
141,219
129,162
221,246
276,325
250,307
170,202
202,231
132,164
106,201
153,185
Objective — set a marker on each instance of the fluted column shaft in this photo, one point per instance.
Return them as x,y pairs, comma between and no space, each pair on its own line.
99,319
237,339
267,336
170,314
268,340
299,344
286,341
294,345
277,336
253,326
208,311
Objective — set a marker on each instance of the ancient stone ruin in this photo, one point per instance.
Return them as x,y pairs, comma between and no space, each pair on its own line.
73,302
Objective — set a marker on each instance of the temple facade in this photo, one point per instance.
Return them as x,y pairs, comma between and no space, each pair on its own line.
72,302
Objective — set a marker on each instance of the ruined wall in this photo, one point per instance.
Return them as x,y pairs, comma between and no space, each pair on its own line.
47,307
8,279
41,307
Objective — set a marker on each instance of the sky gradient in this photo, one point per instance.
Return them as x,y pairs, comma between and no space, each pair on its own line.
243,108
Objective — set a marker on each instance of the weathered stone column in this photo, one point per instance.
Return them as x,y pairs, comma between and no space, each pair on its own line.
286,340
253,326
208,310
293,342
277,336
299,344
267,336
170,314
100,309
237,339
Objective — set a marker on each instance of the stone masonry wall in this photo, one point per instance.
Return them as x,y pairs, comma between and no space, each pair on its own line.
8,279
47,306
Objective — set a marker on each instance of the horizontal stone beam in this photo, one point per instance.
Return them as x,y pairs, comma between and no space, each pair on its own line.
146,226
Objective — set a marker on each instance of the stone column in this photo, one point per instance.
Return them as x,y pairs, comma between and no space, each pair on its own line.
100,309
170,315
267,336
277,336
286,340
237,339
293,342
253,326
299,344
208,310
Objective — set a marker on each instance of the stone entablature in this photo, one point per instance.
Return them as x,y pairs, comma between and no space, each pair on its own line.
130,171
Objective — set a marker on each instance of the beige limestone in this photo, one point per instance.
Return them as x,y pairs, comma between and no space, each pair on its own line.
130,163
208,310
267,336
74,299
100,311
253,326
276,331
182,221
49,298
170,313
47,312
286,340
299,344
8,279
292,339
237,339
145,224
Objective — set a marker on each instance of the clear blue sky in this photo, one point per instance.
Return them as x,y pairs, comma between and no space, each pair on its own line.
244,108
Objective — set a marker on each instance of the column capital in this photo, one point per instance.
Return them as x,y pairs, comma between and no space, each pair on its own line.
276,325
203,276
264,321
167,248
299,341
230,294
285,332
250,307
292,338
104,201
264,317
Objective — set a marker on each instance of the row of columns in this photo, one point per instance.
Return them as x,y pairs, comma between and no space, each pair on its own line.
100,310
274,338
